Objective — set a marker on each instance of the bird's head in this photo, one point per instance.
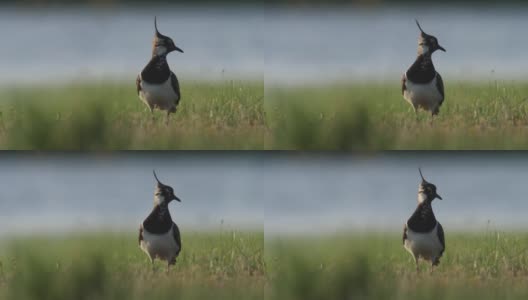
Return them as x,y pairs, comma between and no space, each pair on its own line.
163,194
426,191
162,44
427,44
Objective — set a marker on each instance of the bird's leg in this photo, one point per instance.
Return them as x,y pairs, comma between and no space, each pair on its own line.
416,258
415,113
151,108
152,265
435,262
434,112
170,263
167,120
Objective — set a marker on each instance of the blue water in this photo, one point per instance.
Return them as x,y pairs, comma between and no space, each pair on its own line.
71,192
482,43
54,44
379,192
284,193
282,45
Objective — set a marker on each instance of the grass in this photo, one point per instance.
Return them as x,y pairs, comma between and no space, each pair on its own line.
238,115
241,265
110,116
221,265
489,265
357,116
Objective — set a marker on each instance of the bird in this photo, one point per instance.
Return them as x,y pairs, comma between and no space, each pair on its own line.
159,236
157,86
422,85
423,235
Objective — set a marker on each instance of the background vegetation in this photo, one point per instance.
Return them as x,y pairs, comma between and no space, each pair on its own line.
214,115
488,265
369,116
223,265
237,115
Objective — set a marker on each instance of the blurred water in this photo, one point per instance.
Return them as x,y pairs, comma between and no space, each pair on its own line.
286,45
54,44
68,191
314,195
482,43
285,193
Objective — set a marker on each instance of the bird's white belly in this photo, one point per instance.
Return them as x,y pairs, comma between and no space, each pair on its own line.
425,245
161,246
425,95
159,95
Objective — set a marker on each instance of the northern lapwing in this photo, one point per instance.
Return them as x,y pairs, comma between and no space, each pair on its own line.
157,86
159,236
423,236
422,86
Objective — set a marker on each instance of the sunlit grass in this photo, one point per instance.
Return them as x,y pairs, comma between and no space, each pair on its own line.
215,115
488,265
357,116
222,265
240,115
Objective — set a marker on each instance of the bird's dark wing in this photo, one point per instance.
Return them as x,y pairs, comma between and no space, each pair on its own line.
440,86
175,86
440,232
138,84
177,238
404,233
140,238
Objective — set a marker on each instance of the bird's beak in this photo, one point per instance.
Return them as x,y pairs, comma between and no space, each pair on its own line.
174,48
179,200
441,48
438,196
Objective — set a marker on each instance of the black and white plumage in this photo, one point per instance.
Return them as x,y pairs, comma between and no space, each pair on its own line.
423,235
159,236
422,85
157,86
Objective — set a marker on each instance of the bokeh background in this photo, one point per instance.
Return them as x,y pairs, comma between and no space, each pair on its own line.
69,71
333,75
61,41
376,40
260,225
114,192
288,41
285,193
328,194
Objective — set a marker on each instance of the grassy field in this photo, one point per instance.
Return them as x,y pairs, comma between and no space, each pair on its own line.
215,115
490,115
241,115
475,266
240,265
222,265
